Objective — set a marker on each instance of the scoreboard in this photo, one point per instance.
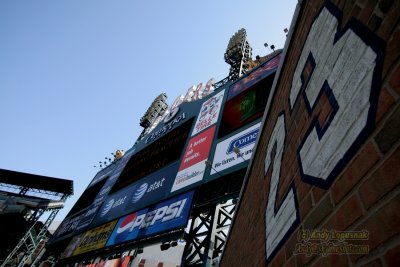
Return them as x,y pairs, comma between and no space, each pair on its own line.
205,135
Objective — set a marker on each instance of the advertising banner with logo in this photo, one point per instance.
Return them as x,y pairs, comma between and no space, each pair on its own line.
113,206
209,113
152,189
165,216
68,225
91,212
193,164
73,244
225,156
145,192
95,238
254,77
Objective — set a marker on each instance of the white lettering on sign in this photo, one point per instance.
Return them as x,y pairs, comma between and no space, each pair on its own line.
343,70
280,222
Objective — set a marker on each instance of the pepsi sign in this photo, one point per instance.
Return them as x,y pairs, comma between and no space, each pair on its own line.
165,216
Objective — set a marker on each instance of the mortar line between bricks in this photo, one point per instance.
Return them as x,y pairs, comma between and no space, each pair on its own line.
378,252
385,82
383,159
383,122
377,206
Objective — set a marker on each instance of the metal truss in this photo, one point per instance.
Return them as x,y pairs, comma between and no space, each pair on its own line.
207,235
30,247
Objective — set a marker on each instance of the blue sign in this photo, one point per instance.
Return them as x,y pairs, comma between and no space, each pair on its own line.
113,206
165,216
142,193
152,188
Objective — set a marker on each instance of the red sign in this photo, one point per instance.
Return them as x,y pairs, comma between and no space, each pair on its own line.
197,149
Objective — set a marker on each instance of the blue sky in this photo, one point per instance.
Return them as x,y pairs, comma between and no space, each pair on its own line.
76,76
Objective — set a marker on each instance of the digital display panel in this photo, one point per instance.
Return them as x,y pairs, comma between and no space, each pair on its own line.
254,77
155,156
245,107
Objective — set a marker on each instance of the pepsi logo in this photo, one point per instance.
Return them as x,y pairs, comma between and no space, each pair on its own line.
139,193
123,229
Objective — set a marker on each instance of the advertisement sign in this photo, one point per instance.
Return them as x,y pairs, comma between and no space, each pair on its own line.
165,216
113,206
95,238
88,217
262,72
193,164
209,113
225,156
142,193
91,212
152,188
68,225
76,240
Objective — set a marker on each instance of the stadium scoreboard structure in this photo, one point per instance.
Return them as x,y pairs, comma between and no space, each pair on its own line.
203,141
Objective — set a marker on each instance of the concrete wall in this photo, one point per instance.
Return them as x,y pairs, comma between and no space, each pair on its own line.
323,185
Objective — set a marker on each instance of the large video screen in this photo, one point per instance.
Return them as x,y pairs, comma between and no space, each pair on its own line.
245,107
157,155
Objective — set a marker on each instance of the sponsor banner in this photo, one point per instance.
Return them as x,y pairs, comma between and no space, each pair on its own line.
197,149
165,216
113,206
103,193
189,176
88,217
152,188
193,165
76,240
142,193
95,238
68,225
265,70
172,122
209,113
225,156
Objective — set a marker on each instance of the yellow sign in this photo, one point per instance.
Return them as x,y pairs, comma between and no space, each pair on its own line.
95,238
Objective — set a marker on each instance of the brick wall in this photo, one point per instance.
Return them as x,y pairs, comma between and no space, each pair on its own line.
328,158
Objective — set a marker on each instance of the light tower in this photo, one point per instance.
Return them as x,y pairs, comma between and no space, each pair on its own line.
238,55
